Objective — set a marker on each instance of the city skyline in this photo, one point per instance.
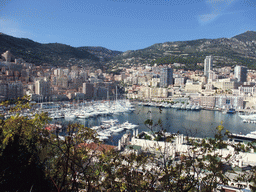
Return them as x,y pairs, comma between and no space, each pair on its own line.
125,24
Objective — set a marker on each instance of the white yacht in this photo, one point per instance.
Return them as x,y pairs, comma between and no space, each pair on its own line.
128,125
56,115
188,107
83,115
193,107
247,116
248,137
70,115
183,107
177,106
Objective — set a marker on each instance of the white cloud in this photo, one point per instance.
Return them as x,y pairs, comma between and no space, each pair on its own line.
217,9
12,28
207,17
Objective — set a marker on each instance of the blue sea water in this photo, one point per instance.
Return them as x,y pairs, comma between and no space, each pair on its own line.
190,123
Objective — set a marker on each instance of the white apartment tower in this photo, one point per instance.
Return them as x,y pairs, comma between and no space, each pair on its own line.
42,87
240,73
207,66
58,72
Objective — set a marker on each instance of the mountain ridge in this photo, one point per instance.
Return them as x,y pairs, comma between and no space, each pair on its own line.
53,53
240,49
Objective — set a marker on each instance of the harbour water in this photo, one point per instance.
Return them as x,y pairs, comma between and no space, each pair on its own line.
190,123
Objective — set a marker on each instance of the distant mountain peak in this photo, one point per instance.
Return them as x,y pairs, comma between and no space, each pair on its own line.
54,53
239,49
246,36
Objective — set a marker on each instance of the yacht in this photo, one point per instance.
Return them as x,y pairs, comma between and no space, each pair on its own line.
198,108
111,127
83,116
120,129
112,122
193,107
177,106
183,107
247,116
231,111
248,137
56,115
128,125
101,138
70,115
188,107
166,105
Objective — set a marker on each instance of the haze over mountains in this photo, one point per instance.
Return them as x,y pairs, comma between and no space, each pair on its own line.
240,49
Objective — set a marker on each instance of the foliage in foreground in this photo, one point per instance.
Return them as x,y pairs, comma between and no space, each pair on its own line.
34,159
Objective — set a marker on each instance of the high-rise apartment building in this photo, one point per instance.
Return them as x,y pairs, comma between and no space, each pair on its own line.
88,89
58,72
207,66
166,77
42,87
11,90
240,73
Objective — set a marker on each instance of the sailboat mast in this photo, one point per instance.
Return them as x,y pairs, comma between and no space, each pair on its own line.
116,93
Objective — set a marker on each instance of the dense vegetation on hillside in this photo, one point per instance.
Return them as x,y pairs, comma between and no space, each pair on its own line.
247,36
240,50
54,53
191,62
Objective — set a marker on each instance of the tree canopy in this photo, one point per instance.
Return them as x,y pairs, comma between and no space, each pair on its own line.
33,158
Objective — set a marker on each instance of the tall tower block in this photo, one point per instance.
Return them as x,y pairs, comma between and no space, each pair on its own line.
207,66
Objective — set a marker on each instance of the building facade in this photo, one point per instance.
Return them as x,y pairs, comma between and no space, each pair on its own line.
193,87
240,73
11,90
166,77
249,90
43,87
207,66
88,90
225,84
222,102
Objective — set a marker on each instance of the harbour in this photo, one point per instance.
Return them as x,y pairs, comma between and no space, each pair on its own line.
187,122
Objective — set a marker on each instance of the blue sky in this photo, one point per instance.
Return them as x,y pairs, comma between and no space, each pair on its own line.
125,24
